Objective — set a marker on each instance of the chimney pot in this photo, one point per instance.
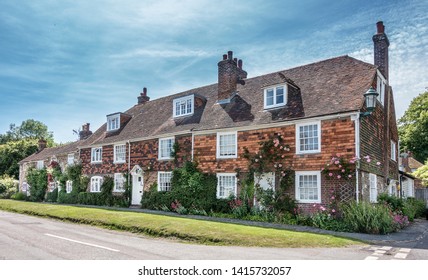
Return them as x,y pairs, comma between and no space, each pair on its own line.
224,56
143,98
235,60
380,27
240,64
230,55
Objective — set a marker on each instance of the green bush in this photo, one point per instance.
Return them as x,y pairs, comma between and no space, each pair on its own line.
19,196
394,202
368,218
190,189
52,196
67,198
86,198
8,186
38,181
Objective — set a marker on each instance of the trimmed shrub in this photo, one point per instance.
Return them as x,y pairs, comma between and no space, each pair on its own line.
67,198
191,191
52,196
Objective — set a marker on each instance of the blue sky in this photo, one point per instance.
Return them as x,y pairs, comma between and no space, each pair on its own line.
69,62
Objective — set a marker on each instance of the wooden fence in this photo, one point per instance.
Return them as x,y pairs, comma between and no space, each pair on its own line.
421,194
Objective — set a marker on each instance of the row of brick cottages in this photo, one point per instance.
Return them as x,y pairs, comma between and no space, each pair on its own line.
316,108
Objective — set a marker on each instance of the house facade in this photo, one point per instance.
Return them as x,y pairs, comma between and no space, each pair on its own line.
63,156
317,110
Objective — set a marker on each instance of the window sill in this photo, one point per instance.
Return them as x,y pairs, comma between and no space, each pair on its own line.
308,153
119,162
226,157
96,162
308,201
273,107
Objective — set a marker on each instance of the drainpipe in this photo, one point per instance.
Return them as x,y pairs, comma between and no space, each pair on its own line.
129,159
193,141
357,155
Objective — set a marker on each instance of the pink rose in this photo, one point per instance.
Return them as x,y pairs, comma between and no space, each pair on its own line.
338,176
330,174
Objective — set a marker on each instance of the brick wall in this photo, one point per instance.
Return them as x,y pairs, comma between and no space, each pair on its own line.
337,137
143,153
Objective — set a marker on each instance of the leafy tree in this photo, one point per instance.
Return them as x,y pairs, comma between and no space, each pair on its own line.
12,153
29,129
413,128
422,173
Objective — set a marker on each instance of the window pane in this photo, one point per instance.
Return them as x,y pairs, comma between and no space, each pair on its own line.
279,95
308,138
308,188
269,97
227,145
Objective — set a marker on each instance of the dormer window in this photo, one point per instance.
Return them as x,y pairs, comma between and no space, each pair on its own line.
183,106
113,122
275,96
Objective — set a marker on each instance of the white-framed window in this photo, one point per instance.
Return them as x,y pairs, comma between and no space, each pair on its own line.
70,159
275,96
393,151
96,154
373,187
380,88
119,182
40,164
308,186
120,153
266,181
308,138
96,183
113,122
164,181
165,147
227,145
68,186
54,159
183,106
226,185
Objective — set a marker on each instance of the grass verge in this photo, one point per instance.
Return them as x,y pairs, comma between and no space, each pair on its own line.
189,230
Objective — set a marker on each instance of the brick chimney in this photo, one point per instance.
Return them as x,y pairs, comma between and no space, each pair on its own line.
42,145
85,132
381,44
143,98
230,73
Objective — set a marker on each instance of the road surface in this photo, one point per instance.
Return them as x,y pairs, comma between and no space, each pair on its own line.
25,237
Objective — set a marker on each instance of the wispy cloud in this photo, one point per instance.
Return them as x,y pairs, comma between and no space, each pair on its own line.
69,62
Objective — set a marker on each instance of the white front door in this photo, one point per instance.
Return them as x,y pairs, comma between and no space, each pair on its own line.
137,189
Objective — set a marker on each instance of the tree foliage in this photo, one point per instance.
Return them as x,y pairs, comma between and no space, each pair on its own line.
13,152
29,129
413,128
20,142
422,173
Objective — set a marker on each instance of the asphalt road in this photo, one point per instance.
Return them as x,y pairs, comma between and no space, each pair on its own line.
31,238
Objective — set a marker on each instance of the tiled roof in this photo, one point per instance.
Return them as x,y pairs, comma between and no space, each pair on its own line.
327,87
54,151
414,164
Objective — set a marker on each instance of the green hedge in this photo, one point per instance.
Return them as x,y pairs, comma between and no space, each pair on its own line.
190,188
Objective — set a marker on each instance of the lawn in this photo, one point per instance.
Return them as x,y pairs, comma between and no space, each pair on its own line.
183,229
